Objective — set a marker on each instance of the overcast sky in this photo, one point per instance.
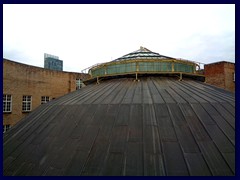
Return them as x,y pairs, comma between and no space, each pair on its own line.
83,35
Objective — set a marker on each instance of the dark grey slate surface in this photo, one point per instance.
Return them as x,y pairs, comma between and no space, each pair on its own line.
158,126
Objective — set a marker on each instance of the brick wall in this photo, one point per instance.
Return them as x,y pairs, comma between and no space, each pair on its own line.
229,69
21,79
220,74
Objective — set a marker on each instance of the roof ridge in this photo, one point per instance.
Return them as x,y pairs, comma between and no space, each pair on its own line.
141,53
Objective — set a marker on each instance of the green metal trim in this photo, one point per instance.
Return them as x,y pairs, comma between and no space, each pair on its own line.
143,60
146,72
122,67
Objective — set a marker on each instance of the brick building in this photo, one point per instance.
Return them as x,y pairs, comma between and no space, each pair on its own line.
221,74
25,87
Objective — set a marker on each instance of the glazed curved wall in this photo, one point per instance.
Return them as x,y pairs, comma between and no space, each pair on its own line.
141,66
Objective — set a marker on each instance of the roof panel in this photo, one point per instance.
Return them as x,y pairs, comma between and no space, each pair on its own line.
142,53
213,157
196,164
157,126
174,159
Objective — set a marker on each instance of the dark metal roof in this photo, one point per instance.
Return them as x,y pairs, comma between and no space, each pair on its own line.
142,53
157,126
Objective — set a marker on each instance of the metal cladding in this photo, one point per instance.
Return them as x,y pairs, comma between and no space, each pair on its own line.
157,126
144,61
142,53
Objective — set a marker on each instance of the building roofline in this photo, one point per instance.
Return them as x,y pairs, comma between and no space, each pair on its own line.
42,68
219,62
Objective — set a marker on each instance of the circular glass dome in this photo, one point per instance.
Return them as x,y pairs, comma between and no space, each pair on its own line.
143,61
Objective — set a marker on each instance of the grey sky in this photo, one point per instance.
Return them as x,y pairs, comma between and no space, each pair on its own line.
83,35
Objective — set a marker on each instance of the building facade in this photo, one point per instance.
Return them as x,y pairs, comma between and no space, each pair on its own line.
26,87
52,62
221,74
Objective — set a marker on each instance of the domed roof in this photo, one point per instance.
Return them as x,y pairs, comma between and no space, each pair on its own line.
120,127
142,53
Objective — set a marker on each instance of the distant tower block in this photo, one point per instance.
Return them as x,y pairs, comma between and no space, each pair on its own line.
52,62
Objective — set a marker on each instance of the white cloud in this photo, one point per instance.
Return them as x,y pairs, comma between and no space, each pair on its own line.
82,35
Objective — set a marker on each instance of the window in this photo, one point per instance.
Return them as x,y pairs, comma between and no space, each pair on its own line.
27,103
44,99
78,84
7,103
6,128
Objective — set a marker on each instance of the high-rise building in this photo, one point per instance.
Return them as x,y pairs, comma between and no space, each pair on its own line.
52,62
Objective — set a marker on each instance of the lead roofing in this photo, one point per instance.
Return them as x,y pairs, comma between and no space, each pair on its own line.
158,126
